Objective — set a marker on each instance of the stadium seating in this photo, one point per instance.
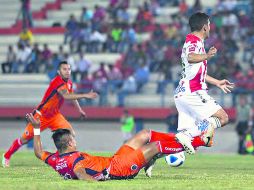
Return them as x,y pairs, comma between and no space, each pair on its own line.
43,26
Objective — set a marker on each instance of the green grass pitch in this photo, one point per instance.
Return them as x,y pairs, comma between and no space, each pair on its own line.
200,171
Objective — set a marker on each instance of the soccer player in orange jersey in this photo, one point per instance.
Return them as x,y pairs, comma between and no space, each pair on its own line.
124,164
60,89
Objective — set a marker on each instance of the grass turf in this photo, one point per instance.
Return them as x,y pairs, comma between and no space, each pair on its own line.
201,171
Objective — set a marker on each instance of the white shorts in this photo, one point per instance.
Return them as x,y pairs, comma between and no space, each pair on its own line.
193,108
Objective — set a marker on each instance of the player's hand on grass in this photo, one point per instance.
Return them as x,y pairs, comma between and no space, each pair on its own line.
34,121
225,85
91,95
212,51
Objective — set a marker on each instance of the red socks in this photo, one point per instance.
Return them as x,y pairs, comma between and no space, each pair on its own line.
14,147
172,147
157,136
197,141
169,147
170,137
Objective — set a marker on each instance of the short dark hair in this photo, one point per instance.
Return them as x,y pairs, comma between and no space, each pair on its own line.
62,63
197,21
61,138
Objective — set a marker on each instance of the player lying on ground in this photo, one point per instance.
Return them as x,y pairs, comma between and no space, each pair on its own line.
124,164
60,89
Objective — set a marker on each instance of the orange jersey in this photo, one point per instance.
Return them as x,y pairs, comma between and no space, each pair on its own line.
64,164
52,100
124,164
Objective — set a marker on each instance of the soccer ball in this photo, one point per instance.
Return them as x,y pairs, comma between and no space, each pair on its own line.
175,160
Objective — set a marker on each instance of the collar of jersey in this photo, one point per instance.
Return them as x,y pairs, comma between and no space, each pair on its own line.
65,154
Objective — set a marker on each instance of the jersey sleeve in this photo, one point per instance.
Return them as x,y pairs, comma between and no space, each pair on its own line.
45,155
192,47
61,87
79,162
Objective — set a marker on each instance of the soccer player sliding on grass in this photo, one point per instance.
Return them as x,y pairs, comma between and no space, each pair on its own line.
124,164
60,89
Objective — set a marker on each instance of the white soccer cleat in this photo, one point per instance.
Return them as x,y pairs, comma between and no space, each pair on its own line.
5,162
149,168
186,142
148,171
207,136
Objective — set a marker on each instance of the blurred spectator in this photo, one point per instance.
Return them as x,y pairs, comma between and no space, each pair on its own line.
83,65
115,78
128,38
128,125
129,87
116,34
25,11
183,7
84,39
74,68
46,55
70,27
60,52
22,58
97,40
228,5
140,57
52,66
102,69
26,37
122,16
76,37
98,17
197,6
85,86
244,122
154,8
144,18
10,60
86,16
141,76
100,86
34,61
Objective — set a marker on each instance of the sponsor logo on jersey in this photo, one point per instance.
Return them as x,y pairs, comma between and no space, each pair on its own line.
191,49
173,149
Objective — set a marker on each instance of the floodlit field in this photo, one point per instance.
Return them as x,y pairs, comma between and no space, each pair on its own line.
201,171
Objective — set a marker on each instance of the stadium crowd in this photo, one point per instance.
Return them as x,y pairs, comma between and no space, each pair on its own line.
110,30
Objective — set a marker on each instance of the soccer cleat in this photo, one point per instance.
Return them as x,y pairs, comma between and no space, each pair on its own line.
207,136
149,167
5,162
186,142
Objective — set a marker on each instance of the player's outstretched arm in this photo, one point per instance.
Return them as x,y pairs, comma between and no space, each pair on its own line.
73,96
37,139
196,58
82,175
224,84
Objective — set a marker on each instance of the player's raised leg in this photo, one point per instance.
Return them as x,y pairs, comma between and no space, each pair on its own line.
16,144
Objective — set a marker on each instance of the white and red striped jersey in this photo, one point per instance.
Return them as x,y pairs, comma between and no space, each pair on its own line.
193,74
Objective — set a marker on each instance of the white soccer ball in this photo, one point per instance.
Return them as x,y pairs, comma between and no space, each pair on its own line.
175,160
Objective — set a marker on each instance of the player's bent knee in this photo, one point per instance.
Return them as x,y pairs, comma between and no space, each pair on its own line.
146,133
224,119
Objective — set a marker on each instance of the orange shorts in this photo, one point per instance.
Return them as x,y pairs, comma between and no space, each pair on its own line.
126,163
53,123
